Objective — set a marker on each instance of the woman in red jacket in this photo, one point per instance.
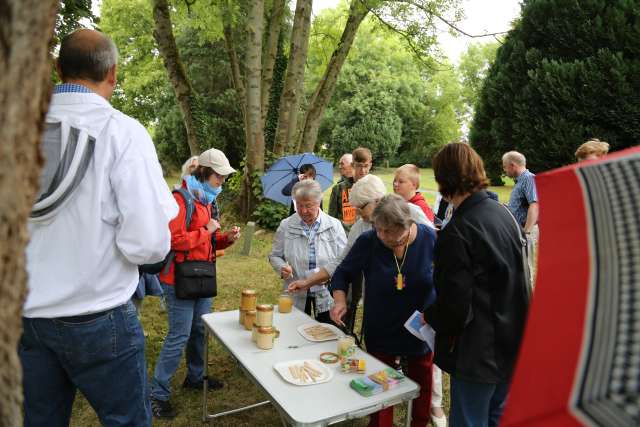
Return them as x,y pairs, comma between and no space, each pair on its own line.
194,242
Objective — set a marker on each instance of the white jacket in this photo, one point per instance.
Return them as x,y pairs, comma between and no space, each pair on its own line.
84,260
291,246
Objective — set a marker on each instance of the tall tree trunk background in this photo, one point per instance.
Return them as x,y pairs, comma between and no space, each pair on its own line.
326,86
253,75
234,62
271,49
26,29
294,78
163,34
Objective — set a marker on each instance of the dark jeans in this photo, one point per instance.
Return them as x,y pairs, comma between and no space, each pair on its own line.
476,404
101,354
311,310
352,305
186,330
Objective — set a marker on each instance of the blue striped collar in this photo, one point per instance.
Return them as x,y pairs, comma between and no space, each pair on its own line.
71,88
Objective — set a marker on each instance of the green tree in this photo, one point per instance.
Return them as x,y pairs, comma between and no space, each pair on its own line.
370,120
144,90
473,69
383,90
568,71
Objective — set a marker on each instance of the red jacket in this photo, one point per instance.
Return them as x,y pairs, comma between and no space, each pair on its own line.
196,240
419,201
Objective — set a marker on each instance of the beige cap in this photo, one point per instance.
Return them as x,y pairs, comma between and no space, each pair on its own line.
216,160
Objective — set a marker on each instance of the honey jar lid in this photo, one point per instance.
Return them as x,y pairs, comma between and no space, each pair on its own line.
266,329
248,292
250,312
264,307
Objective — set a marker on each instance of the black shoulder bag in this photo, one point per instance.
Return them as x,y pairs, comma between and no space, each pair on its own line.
195,279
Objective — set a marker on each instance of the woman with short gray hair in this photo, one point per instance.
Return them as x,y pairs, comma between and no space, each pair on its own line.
305,242
395,259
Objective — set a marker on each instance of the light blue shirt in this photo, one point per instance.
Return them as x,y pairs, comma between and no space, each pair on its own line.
523,194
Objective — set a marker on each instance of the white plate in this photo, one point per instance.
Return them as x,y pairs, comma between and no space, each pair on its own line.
283,369
301,330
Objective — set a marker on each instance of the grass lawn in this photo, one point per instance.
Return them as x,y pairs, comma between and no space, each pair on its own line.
429,187
235,272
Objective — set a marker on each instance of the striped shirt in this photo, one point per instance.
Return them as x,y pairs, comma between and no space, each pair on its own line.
71,88
310,231
523,194
320,293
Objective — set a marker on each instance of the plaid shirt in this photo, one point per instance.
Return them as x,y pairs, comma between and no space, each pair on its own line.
323,298
523,194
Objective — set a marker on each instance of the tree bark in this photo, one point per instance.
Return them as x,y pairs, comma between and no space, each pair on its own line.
26,29
254,134
326,86
163,34
275,25
234,62
294,78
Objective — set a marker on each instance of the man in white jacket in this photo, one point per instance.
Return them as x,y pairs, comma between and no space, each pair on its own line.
103,209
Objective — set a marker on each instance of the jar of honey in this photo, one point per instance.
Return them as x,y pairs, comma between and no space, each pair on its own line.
265,315
346,347
285,303
248,299
241,316
265,337
249,319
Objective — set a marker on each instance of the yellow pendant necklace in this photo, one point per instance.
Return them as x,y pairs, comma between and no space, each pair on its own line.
399,279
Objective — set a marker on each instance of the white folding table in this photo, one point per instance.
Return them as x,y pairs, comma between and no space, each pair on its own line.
311,405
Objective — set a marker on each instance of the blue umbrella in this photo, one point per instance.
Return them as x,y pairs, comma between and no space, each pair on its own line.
285,169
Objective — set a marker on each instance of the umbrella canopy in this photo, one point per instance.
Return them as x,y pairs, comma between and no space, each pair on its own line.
285,169
579,363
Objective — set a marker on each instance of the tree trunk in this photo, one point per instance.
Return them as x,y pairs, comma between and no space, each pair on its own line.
254,134
26,29
275,25
327,84
163,34
294,79
234,62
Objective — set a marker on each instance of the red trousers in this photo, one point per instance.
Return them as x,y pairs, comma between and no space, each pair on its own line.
420,370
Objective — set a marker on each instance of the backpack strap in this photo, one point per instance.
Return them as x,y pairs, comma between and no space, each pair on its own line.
188,202
189,207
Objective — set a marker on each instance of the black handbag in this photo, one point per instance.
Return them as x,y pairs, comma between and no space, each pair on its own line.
195,279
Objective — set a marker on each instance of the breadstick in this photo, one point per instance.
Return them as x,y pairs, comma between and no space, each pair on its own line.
310,368
293,372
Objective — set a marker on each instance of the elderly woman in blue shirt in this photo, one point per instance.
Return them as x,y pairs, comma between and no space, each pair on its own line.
395,258
305,242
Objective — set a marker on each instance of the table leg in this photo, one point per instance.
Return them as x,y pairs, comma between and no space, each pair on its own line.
283,420
409,409
205,378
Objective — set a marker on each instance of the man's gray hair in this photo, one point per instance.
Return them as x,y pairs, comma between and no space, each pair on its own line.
87,54
392,211
307,189
348,157
514,157
367,189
